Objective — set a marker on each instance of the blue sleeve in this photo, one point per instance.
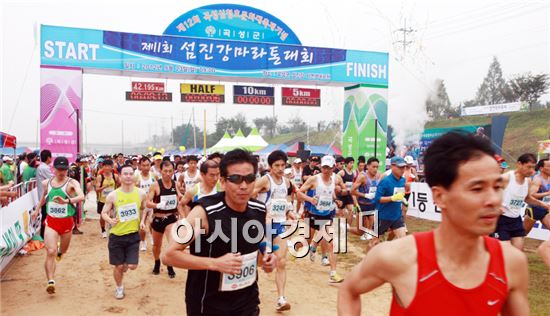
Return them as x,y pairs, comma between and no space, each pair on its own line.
380,189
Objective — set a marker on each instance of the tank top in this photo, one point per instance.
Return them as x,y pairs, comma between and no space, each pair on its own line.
55,209
276,200
169,195
127,210
409,177
110,186
297,177
212,293
368,187
323,194
199,194
190,181
435,295
145,184
513,198
544,187
348,179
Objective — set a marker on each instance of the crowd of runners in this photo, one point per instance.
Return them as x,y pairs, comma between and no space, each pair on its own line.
222,219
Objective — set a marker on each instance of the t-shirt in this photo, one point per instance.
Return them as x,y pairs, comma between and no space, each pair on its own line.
389,186
28,173
7,173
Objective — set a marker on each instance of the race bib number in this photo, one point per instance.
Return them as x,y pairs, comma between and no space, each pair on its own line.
546,199
516,205
171,201
399,190
372,190
58,210
278,209
325,203
128,212
349,185
245,278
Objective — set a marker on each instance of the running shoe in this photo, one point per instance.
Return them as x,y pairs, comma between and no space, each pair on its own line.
143,245
325,261
335,278
104,235
51,287
156,269
119,293
171,272
282,304
311,255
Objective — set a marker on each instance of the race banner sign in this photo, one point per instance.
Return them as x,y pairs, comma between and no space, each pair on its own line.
202,93
301,96
148,91
421,205
167,54
253,95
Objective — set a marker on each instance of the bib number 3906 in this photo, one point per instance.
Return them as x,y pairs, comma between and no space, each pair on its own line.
245,278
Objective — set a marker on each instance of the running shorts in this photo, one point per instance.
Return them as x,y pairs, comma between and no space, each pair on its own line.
536,213
60,225
124,249
100,206
159,223
508,228
384,225
317,221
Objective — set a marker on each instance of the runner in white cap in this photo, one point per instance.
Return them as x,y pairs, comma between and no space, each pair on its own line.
319,193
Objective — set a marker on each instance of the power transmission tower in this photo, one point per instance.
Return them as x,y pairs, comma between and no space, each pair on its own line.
404,42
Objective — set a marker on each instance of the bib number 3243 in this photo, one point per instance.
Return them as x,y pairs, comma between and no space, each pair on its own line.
245,278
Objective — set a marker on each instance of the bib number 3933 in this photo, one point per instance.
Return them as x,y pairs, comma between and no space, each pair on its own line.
128,212
245,278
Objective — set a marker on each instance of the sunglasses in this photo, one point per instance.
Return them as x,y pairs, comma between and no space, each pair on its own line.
238,179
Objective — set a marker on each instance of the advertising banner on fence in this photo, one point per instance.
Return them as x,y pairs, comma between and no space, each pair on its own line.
202,93
60,110
166,54
421,205
17,227
365,123
301,96
493,108
148,91
253,95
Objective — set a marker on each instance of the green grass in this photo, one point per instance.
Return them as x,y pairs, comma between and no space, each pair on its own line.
315,138
523,131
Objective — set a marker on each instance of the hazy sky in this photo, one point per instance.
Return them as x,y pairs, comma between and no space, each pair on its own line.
452,40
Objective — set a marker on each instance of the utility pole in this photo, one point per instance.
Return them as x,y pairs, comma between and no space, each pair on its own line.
122,133
404,42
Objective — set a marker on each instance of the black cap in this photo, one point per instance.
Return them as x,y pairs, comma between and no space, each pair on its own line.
61,163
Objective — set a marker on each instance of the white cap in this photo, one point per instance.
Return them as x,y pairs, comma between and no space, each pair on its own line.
409,160
7,158
288,171
297,160
327,161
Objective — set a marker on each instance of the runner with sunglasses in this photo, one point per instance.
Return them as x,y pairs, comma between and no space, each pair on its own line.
224,233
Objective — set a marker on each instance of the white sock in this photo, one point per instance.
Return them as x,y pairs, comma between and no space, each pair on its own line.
332,273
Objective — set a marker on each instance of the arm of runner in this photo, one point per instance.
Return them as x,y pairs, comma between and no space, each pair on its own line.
107,208
533,201
303,190
187,197
268,261
260,186
518,280
184,232
143,197
375,270
380,191
355,187
534,188
42,200
98,187
78,194
151,195
340,186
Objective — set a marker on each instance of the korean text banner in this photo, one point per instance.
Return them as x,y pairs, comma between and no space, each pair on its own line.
164,54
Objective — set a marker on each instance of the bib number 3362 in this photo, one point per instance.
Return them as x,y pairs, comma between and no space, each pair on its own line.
245,278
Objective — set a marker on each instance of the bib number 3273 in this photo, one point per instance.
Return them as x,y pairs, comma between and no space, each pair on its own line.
245,278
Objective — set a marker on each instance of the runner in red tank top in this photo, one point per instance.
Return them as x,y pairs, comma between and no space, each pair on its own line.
455,269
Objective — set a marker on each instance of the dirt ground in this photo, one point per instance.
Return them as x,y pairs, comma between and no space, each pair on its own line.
85,285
